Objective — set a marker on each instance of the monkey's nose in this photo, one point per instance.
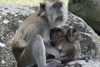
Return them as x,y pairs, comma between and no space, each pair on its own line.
60,16
60,11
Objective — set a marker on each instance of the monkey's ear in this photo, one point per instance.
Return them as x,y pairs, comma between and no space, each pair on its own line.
42,9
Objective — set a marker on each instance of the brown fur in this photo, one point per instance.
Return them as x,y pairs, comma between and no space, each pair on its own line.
59,41
67,50
19,41
72,36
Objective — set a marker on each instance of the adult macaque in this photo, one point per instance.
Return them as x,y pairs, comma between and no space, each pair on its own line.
66,49
28,43
72,36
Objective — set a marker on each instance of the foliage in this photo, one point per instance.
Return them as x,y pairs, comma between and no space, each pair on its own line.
26,2
99,40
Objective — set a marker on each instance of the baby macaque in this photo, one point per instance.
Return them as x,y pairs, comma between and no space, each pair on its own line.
59,41
72,36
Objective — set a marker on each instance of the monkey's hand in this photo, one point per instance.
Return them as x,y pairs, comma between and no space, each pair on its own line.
63,59
52,50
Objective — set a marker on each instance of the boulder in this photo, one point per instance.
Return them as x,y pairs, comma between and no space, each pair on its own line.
11,16
89,40
89,10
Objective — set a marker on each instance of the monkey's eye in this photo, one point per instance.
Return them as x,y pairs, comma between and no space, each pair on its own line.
57,5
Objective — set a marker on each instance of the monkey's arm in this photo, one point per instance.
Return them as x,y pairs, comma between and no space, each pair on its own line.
52,50
18,40
78,50
19,43
66,58
69,55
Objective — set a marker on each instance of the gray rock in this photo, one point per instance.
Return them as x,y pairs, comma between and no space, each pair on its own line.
11,16
89,10
89,40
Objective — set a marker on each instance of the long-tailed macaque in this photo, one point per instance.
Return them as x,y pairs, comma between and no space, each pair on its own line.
67,44
66,49
72,36
28,43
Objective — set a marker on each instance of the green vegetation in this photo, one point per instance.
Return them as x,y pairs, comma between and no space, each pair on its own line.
99,40
26,2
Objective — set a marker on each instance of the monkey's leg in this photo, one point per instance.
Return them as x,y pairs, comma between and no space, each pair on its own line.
35,51
52,51
40,54
39,51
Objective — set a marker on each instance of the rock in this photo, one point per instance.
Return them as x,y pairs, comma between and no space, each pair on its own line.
88,10
82,63
89,40
11,16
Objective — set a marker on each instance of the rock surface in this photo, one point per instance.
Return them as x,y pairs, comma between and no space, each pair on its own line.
89,40
11,16
89,10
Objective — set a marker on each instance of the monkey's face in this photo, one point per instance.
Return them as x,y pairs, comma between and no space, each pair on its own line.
56,13
55,34
72,35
